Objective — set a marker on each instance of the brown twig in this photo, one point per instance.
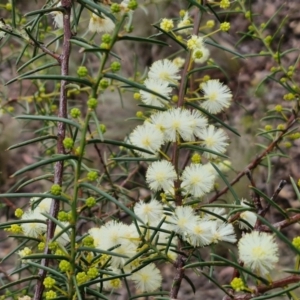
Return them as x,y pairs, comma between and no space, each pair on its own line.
178,198
280,186
59,166
282,224
130,175
260,289
257,160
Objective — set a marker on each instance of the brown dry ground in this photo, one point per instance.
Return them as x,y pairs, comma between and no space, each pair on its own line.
245,113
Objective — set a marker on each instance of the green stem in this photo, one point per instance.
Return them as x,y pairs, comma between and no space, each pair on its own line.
74,203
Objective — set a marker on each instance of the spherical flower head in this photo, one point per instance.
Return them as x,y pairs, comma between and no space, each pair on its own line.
184,23
197,180
217,96
42,206
258,251
164,70
200,55
24,252
33,229
63,239
147,279
166,24
25,298
178,123
161,175
158,120
179,61
223,232
101,24
95,233
148,137
112,284
58,17
213,139
215,214
199,233
114,234
150,212
224,166
158,86
183,218
248,216
195,42
197,122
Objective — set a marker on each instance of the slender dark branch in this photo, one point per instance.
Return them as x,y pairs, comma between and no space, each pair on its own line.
58,168
130,175
179,264
282,224
257,160
178,198
256,198
280,186
260,289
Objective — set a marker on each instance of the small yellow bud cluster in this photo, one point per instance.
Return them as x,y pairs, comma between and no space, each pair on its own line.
268,39
210,23
224,4
92,176
196,158
81,278
289,97
296,240
14,229
136,96
268,127
237,284
225,26
49,282
166,24
19,212
50,295
278,108
294,136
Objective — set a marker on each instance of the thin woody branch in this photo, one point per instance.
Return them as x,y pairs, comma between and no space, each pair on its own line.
58,169
257,160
